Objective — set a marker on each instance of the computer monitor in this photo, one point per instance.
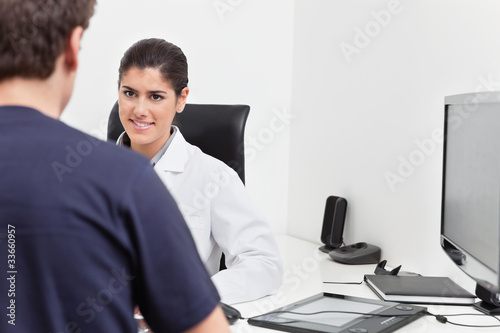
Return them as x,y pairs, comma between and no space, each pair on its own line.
470,209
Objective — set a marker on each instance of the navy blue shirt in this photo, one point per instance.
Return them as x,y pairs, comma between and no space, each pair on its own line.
87,231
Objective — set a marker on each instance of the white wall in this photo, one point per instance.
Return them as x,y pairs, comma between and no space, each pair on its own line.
238,52
378,110
357,116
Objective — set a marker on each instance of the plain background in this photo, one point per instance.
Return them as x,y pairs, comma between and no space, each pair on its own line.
346,99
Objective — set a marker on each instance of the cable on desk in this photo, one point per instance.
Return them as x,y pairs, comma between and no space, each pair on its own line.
364,314
444,319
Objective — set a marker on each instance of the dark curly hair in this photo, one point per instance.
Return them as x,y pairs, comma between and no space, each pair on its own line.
33,33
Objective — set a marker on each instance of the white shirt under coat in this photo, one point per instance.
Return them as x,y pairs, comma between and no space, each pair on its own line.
218,211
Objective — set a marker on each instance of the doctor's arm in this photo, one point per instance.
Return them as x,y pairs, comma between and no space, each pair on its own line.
254,265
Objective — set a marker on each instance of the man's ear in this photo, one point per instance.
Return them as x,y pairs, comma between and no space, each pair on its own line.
73,47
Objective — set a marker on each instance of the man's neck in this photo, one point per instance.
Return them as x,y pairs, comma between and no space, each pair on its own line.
34,93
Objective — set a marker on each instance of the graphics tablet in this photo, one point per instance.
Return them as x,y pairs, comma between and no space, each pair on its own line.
335,313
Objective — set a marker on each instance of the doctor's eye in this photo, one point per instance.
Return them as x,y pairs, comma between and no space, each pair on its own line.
156,97
129,93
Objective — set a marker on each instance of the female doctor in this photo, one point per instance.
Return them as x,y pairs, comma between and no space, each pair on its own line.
153,78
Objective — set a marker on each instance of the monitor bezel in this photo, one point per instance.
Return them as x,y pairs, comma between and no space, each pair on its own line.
487,281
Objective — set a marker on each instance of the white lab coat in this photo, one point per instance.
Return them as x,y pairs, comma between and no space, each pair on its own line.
218,211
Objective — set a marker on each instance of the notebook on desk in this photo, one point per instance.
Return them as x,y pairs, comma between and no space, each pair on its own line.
419,289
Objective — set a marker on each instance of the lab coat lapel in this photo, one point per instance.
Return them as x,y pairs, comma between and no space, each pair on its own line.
173,161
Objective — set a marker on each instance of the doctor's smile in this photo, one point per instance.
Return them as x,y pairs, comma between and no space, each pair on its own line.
141,125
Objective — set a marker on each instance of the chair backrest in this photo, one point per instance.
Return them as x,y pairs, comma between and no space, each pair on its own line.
218,130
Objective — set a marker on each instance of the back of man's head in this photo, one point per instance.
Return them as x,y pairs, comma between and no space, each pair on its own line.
33,33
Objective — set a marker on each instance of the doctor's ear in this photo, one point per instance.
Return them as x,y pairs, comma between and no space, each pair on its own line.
181,100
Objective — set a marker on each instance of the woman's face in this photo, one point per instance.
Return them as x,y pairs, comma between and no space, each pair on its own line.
148,105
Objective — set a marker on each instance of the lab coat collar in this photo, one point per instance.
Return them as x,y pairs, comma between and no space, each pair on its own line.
176,156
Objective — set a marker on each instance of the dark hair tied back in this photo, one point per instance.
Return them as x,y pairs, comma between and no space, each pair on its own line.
159,54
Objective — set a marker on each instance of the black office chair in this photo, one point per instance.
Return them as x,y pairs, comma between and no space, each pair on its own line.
218,130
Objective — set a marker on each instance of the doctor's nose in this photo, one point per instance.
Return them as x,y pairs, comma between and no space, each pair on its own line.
140,109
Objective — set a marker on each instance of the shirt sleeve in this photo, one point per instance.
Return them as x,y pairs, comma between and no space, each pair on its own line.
174,291
254,265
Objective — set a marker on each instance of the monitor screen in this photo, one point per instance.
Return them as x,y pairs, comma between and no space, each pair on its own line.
470,224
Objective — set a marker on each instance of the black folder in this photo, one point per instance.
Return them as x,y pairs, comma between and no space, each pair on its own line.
419,289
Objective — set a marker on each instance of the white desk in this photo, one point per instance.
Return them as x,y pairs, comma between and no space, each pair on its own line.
306,268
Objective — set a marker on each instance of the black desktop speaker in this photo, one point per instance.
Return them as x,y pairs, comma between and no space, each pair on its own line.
333,223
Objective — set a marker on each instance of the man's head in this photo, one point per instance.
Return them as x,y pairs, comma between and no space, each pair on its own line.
34,33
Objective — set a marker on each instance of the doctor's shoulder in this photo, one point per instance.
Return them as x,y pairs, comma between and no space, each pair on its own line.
210,168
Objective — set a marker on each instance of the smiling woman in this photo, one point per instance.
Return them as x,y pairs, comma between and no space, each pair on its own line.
148,105
152,90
